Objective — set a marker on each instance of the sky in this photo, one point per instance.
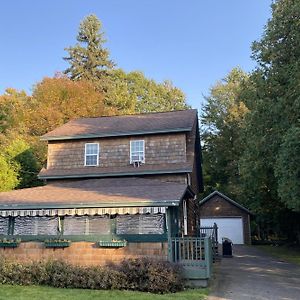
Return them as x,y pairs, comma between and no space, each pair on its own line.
193,43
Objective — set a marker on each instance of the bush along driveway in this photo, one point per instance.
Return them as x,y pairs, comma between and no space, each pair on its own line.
253,274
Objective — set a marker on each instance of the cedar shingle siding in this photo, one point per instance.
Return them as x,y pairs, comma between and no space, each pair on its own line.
115,152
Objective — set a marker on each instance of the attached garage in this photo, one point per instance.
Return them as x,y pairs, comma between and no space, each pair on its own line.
232,219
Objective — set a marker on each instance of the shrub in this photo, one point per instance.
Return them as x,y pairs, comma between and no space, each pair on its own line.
148,275
132,274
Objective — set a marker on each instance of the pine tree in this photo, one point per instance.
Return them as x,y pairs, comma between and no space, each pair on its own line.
88,59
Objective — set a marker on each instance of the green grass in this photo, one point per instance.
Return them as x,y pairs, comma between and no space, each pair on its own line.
49,293
290,254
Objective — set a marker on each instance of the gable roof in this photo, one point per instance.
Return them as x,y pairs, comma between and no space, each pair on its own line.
108,192
216,193
162,122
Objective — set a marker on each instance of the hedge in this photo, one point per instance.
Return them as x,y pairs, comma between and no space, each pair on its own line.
142,274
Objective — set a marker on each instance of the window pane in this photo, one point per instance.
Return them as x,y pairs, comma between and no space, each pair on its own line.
91,160
86,225
91,148
35,226
99,225
74,225
140,224
135,157
137,151
47,226
3,225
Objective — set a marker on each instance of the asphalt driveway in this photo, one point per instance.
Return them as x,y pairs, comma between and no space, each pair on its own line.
252,274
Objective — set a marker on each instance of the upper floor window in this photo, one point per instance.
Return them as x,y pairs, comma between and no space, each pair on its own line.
91,154
137,151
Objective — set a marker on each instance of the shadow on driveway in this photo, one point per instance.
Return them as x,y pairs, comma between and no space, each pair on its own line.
252,274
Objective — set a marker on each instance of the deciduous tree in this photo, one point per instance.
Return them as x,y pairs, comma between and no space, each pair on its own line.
222,119
57,100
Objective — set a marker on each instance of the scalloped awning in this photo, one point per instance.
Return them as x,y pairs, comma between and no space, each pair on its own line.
83,211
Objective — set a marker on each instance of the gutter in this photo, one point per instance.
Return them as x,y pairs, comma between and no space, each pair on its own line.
91,205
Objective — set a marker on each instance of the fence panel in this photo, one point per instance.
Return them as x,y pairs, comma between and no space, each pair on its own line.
194,254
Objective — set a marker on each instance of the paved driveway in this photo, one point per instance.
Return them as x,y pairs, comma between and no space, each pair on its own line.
251,274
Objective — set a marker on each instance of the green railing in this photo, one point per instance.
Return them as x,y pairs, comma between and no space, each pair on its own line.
212,233
194,254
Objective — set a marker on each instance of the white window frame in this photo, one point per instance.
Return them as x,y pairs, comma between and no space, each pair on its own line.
131,143
85,154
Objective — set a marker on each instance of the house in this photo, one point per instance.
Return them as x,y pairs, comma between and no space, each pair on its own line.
232,219
116,187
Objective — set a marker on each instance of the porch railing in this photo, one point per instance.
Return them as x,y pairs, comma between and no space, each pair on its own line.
212,233
194,254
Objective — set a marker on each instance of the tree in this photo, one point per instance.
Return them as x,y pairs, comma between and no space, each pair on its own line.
88,59
287,169
133,92
8,175
275,106
58,100
273,120
125,93
22,159
13,107
222,119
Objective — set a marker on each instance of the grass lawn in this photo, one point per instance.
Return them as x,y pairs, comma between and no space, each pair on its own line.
290,254
49,293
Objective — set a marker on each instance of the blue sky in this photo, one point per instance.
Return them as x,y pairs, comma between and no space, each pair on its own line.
194,43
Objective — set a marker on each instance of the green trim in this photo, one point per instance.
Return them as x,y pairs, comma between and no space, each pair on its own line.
112,244
9,244
60,244
111,134
133,173
91,205
11,225
145,238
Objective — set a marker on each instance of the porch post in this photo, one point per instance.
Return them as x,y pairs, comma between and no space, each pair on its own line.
208,256
169,234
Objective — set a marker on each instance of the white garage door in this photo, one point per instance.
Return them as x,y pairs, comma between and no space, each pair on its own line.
231,228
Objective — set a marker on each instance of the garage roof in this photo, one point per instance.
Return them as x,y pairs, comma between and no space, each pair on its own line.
216,193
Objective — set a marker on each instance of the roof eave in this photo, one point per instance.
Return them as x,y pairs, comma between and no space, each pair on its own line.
112,134
153,203
97,175
226,198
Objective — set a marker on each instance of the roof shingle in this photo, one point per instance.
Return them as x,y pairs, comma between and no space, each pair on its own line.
109,191
174,121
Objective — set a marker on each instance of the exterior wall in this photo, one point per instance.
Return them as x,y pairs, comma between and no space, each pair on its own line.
191,157
218,207
191,206
84,253
191,218
115,152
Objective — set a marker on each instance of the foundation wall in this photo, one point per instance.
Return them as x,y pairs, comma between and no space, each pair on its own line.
84,253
